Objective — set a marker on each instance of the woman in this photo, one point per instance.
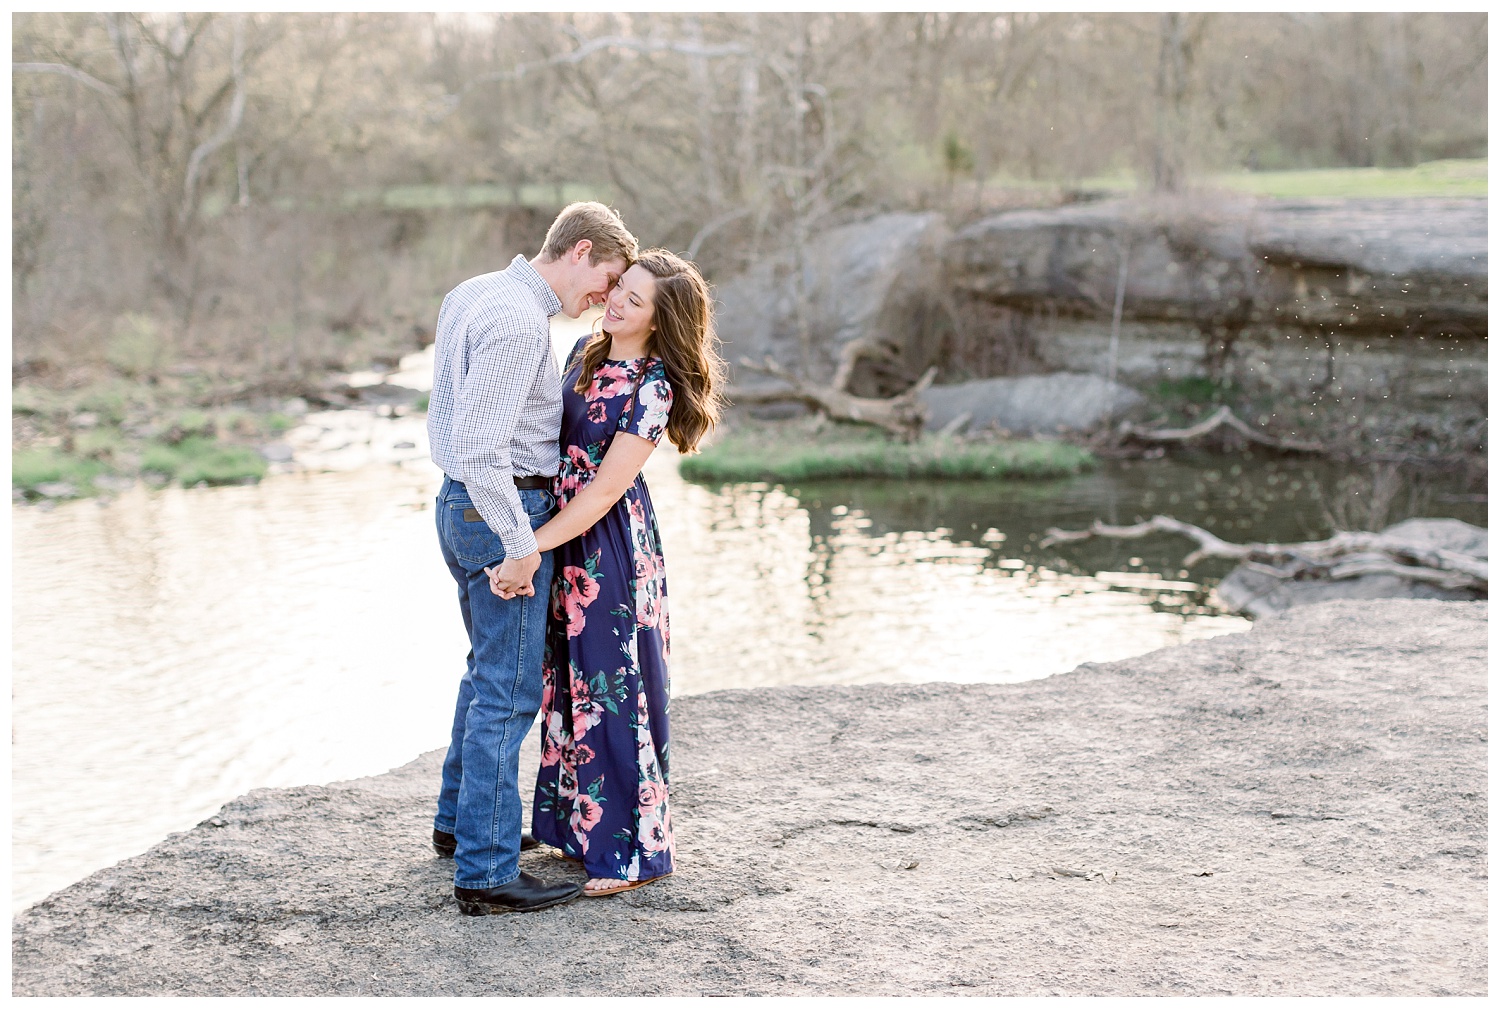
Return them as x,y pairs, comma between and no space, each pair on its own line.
601,794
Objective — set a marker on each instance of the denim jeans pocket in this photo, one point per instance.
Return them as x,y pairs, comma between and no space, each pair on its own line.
470,538
540,506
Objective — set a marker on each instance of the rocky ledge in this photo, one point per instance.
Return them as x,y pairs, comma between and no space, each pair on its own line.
1300,810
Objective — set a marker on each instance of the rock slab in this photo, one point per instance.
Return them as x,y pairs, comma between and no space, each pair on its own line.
1416,266
1254,591
1300,810
875,280
1029,404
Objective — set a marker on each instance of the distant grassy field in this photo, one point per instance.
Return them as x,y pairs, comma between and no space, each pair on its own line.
1455,177
791,452
1468,177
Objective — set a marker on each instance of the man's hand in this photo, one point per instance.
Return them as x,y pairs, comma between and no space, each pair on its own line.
513,577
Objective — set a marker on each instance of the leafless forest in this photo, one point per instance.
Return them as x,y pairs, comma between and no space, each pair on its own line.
254,198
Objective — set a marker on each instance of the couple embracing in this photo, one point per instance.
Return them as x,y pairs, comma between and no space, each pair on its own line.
547,527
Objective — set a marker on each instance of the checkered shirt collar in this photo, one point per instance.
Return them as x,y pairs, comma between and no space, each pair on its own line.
526,273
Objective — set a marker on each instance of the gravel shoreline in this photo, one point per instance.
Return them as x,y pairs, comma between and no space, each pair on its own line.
1300,810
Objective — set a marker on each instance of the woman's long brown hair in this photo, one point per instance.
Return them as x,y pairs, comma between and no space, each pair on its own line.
685,341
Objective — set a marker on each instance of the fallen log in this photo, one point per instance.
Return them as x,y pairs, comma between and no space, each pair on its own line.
1222,417
1341,556
903,416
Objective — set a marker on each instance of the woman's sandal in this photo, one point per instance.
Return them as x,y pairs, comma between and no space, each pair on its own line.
624,885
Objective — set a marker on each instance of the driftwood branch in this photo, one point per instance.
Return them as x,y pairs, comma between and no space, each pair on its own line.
1222,417
903,415
1344,555
851,353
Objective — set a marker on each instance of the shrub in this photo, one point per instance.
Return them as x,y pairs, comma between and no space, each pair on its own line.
30,467
203,460
137,348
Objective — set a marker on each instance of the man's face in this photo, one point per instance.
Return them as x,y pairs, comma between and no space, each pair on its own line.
591,281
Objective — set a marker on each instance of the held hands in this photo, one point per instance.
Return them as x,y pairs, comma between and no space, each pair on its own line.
512,577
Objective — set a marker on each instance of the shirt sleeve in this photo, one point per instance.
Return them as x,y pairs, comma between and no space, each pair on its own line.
504,356
653,404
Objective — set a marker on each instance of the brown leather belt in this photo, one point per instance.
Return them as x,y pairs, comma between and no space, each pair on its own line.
534,482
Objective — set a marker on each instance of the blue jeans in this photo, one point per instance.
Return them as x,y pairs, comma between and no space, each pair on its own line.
498,698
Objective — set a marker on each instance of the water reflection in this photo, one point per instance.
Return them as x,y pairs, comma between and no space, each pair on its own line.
878,587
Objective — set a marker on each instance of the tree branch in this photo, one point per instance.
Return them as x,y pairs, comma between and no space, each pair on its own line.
63,70
903,415
226,132
1222,417
591,46
1343,555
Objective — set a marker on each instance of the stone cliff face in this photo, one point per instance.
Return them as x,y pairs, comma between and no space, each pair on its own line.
875,280
1411,266
1349,297
1299,810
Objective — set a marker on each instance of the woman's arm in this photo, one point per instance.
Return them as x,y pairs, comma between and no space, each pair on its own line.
622,464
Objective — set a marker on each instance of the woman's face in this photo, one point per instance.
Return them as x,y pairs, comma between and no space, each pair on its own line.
629,311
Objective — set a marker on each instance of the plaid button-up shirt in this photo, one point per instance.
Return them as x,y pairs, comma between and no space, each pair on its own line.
496,402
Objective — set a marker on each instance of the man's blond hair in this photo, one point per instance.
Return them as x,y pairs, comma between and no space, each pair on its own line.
595,222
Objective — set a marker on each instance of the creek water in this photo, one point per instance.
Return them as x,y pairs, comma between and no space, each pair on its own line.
175,648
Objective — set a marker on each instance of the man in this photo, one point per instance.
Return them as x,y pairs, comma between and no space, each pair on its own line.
493,423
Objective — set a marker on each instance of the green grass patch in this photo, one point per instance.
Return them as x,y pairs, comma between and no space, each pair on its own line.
423,401
1450,177
201,460
839,453
193,424
1453,177
30,467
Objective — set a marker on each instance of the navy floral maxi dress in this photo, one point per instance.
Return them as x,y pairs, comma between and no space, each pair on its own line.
601,792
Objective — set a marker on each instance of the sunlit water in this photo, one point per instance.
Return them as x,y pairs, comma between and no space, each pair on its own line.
174,648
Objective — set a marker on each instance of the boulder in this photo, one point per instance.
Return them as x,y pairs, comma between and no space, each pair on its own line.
1376,266
1030,403
876,280
1255,592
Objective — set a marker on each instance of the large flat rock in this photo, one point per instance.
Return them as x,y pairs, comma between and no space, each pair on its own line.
1300,810
1388,267
1029,404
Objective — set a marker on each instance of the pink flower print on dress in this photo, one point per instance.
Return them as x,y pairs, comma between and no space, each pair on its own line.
646,589
651,794
578,590
549,686
577,470
586,815
655,836
597,413
552,740
588,711
609,380
656,408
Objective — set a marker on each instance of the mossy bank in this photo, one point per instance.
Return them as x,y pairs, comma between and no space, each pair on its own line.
804,449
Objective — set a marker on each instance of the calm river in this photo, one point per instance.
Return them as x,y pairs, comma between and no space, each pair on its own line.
174,648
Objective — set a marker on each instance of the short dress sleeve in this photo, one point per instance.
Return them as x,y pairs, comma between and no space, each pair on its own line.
653,403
